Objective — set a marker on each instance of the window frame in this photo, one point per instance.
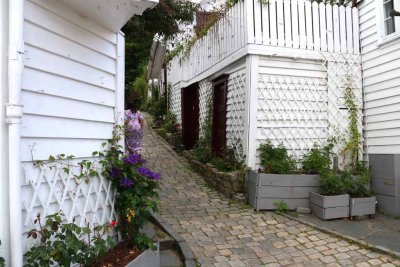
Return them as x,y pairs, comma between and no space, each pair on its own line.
382,38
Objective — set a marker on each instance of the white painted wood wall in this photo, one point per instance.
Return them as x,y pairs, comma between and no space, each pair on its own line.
298,55
381,65
72,91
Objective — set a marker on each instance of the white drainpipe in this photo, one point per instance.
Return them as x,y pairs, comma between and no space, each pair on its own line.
13,119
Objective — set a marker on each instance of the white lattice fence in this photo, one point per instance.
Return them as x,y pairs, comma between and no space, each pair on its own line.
205,96
299,110
47,191
175,102
235,117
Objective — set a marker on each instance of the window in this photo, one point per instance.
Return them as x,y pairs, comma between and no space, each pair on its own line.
389,27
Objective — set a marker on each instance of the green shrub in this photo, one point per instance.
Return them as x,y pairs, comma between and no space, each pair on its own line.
170,124
335,184
67,243
315,161
276,159
228,161
360,185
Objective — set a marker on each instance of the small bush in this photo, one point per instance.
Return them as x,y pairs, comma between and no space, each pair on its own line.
360,186
276,159
170,124
315,161
281,207
335,184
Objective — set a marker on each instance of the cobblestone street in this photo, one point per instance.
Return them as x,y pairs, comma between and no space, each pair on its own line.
224,234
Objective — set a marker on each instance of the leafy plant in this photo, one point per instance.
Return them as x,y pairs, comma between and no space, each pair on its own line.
136,186
360,186
335,184
170,124
281,207
276,159
316,160
66,244
2,260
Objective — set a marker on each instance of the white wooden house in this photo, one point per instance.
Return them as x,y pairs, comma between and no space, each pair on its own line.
274,71
380,49
62,84
283,68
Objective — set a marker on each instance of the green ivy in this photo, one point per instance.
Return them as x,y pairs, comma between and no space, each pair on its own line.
316,160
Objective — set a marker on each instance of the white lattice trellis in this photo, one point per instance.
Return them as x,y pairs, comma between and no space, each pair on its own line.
205,96
174,101
299,111
47,191
235,117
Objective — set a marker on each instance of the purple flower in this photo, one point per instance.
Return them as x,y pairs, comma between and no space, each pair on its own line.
126,182
146,172
133,159
156,176
115,172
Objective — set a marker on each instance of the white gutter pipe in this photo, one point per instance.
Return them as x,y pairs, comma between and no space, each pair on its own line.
13,119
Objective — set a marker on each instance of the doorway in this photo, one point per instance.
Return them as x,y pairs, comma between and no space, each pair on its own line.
190,115
218,141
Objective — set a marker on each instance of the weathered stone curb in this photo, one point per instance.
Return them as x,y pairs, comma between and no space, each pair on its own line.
182,246
227,183
348,238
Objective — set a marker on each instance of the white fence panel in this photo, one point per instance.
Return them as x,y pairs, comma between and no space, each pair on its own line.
280,23
295,23
288,24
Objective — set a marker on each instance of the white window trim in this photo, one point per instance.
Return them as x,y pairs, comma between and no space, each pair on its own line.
382,39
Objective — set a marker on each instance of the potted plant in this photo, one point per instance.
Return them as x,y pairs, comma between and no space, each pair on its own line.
279,181
362,202
333,202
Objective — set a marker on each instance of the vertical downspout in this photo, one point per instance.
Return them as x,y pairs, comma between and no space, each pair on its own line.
13,119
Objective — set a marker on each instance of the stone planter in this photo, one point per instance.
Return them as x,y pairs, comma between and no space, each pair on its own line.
265,189
329,207
227,183
362,206
148,258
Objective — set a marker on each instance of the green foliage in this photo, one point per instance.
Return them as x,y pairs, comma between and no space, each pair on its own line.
360,186
281,207
335,184
228,161
2,260
316,160
163,20
138,91
136,198
276,159
157,105
353,143
67,243
170,124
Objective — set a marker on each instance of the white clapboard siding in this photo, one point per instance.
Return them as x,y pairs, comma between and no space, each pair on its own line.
69,81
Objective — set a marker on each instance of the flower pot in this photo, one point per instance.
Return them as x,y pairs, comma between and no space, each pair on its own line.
265,189
362,206
148,258
329,207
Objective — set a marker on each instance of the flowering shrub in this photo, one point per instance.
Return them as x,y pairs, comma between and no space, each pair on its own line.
66,244
136,196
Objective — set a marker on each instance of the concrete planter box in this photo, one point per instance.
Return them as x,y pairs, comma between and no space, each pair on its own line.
329,207
362,206
265,189
148,258
227,183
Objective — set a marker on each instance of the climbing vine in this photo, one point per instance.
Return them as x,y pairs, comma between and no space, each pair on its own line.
353,142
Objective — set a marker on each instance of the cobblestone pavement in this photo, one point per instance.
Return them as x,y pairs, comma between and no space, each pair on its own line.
224,234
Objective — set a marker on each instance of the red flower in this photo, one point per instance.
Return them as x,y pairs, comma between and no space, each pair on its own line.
113,223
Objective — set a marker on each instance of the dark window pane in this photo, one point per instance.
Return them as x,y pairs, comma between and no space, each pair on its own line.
389,26
387,7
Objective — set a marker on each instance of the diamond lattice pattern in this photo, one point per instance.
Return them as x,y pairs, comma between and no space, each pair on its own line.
174,101
299,111
205,96
236,105
48,190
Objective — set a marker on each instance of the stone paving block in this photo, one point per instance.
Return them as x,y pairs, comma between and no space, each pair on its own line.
220,233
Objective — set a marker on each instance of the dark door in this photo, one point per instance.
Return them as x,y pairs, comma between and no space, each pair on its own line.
219,115
190,115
